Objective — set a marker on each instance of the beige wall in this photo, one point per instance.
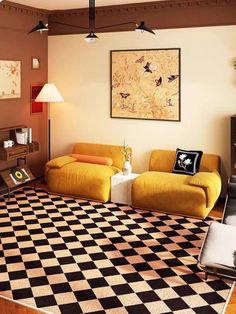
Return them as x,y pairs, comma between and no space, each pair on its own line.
208,93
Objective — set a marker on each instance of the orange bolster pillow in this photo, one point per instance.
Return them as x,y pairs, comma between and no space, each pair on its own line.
93,159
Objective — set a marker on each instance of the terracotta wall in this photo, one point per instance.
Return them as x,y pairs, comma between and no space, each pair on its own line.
17,44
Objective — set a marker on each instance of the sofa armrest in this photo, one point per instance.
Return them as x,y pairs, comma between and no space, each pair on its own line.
210,182
60,161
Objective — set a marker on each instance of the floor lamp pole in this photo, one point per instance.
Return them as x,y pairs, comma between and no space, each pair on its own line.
49,132
48,94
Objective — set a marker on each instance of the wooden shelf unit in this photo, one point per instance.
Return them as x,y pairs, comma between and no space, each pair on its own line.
17,152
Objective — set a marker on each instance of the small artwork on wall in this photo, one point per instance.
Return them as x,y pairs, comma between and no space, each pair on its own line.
10,79
36,107
35,63
145,84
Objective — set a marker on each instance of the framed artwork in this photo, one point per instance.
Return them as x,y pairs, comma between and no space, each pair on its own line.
145,84
36,107
10,79
35,63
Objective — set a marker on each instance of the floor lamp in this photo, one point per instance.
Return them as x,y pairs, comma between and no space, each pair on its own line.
49,93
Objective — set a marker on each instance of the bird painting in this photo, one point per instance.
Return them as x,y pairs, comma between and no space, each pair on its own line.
171,78
147,67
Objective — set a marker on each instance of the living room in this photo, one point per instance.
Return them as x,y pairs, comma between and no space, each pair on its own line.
204,31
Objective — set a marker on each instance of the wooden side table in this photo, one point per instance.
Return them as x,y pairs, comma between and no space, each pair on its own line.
121,188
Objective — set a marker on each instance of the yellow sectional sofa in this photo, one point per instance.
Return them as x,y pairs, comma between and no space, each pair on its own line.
66,175
160,189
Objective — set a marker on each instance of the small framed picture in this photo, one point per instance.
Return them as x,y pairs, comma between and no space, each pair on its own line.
35,63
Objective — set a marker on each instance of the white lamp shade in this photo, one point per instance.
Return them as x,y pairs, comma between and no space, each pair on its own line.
49,93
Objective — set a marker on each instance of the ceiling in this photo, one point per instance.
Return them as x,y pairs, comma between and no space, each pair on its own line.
74,4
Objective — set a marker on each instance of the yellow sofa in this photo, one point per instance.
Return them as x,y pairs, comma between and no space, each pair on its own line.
65,175
162,190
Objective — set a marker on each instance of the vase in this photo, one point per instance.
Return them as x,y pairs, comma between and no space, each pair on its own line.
127,168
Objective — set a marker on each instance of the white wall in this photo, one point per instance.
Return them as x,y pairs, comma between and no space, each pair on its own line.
208,93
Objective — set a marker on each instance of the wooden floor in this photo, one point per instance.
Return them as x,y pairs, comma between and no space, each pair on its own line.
11,307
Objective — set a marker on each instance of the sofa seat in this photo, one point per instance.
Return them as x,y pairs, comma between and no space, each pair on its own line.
89,181
160,189
68,176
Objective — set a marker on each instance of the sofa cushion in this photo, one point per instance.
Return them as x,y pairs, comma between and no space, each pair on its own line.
187,161
89,181
112,151
107,161
163,160
169,192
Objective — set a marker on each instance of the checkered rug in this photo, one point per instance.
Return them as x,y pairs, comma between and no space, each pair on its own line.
71,256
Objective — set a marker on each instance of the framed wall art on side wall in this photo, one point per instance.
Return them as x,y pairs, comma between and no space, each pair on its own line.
10,79
145,84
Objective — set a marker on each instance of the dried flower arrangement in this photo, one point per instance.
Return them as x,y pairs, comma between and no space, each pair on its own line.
126,150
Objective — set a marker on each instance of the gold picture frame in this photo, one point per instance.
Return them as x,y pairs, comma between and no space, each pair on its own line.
145,84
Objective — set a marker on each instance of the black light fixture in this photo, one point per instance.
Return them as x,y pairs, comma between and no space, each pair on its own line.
92,13
143,28
92,37
39,28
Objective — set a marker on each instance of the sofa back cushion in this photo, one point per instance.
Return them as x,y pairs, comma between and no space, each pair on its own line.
106,161
103,150
163,160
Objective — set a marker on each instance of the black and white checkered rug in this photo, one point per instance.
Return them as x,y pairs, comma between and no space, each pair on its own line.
72,256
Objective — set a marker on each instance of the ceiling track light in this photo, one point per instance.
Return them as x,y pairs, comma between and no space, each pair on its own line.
92,37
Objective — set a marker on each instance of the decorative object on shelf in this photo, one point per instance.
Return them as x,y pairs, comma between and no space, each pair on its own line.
92,37
10,79
49,93
5,144
8,143
127,167
36,107
145,84
17,151
35,63
29,135
22,136
16,176
19,175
